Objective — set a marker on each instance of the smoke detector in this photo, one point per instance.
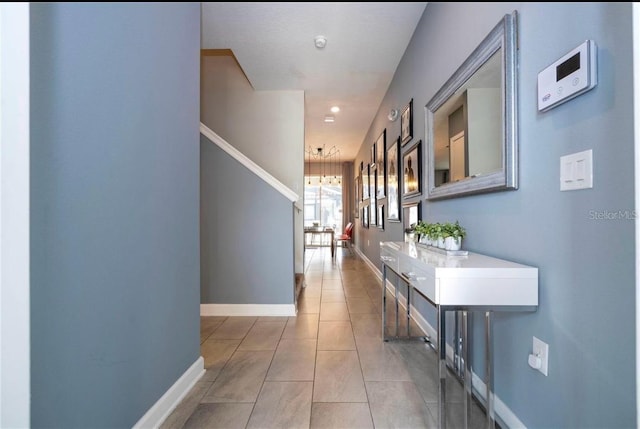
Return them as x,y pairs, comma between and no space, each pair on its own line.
393,115
320,42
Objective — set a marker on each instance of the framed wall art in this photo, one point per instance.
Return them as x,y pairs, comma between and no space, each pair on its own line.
365,216
411,174
373,156
365,183
406,123
380,216
393,182
380,145
357,189
373,220
372,185
411,215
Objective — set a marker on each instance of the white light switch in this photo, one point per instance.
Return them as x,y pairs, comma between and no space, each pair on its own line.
576,171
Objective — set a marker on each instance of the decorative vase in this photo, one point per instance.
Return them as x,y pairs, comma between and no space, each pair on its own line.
453,243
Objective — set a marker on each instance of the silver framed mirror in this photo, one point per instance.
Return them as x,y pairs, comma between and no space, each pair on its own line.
471,122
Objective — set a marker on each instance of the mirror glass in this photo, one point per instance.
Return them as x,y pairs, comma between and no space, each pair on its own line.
471,130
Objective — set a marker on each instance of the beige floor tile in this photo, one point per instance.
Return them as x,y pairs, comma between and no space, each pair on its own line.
325,415
216,353
242,377
335,335
311,291
208,324
355,292
233,328
334,311
222,416
331,284
367,327
263,336
302,326
338,377
361,305
309,305
313,281
399,379
295,360
381,361
422,364
398,404
332,295
272,319
455,413
282,404
183,411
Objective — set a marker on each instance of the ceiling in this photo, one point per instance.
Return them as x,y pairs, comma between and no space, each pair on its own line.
274,45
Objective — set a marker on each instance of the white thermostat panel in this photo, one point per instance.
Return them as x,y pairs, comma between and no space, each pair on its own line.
570,76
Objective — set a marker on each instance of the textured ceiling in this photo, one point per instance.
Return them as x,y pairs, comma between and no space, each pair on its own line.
274,45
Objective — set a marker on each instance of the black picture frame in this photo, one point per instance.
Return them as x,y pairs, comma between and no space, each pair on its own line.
381,146
356,194
393,181
365,216
406,123
365,183
411,171
373,156
411,214
373,219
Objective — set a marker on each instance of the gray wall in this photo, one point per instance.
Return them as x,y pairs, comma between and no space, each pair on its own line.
247,238
114,208
266,126
586,265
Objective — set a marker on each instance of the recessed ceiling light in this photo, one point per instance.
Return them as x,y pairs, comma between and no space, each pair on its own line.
329,118
335,109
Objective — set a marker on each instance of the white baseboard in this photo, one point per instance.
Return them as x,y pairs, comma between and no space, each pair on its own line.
504,416
247,309
159,412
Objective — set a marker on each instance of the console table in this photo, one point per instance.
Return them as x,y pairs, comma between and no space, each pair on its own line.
473,282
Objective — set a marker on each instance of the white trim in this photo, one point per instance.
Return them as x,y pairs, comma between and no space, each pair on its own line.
15,335
504,416
636,144
247,309
159,412
252,166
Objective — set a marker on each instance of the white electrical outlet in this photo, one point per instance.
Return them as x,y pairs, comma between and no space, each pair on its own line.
541,350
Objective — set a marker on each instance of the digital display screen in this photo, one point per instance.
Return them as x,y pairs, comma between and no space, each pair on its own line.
568,67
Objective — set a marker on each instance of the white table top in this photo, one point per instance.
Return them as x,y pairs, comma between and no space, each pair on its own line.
472,280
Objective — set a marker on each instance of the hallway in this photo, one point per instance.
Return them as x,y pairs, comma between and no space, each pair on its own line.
326,368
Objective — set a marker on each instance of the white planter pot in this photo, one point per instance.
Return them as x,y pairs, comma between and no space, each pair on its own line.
440,243
451,243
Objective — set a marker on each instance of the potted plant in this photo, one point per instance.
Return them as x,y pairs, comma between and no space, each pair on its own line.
422,229
453,233
411,234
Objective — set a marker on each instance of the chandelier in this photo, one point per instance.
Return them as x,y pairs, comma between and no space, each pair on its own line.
329,161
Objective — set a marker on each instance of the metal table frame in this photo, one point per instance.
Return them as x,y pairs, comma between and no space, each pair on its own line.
441,346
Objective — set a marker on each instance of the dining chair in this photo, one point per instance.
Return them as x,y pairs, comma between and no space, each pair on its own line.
345,237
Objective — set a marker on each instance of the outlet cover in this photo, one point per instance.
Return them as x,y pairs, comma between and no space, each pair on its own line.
541,349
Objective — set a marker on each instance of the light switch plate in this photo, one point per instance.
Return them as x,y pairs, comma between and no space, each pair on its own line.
576,171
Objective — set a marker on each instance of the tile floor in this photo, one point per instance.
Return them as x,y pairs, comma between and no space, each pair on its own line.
325,368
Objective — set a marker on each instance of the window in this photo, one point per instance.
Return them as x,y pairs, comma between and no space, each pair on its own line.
323,202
